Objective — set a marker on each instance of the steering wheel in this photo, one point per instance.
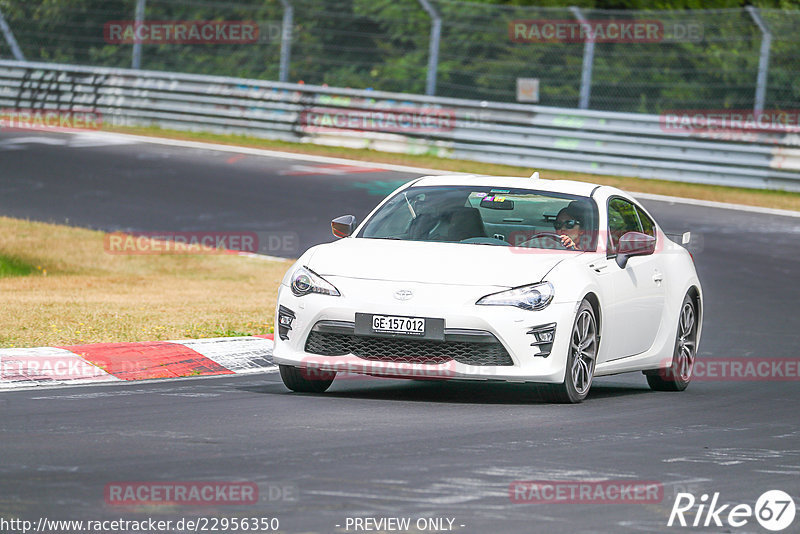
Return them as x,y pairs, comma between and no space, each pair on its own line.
550,235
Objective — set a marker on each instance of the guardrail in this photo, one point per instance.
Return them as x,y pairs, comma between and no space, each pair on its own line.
622,144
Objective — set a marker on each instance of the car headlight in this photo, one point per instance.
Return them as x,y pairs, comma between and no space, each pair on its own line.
532,297
305,281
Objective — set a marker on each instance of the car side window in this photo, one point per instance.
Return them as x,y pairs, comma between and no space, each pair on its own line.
648,226
622,218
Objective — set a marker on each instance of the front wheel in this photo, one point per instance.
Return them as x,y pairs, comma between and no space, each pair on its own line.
306,380
677,376
580,360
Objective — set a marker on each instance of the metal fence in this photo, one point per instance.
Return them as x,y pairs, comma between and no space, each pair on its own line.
623,144
698,59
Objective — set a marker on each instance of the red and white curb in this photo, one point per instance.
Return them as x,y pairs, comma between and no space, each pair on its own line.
113,362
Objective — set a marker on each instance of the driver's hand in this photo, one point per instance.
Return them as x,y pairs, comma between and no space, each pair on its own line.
567,241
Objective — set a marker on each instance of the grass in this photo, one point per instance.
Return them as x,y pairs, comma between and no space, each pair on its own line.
736,195
11,266
60,287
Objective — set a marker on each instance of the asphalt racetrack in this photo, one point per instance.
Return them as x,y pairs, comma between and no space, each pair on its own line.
379,447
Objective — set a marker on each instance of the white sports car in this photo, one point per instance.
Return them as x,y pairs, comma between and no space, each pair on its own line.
493,278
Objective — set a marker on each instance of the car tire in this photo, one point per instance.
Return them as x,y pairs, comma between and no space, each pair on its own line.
581,359
299,380
677,376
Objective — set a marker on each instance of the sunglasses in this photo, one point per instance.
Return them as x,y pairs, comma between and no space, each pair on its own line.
568,224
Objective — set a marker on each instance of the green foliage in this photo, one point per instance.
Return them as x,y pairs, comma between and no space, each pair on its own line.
10,266
383,44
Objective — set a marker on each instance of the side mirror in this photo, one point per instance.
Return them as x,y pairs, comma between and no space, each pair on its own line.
634,244
343,226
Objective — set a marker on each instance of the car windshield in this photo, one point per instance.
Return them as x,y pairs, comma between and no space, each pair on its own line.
485,216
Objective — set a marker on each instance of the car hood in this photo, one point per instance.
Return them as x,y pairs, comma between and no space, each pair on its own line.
435,263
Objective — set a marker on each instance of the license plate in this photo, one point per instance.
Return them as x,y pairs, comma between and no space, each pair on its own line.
390,324
368,324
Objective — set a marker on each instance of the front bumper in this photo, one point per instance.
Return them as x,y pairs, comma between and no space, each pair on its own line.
511,327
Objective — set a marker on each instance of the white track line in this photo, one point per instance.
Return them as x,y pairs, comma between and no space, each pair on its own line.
405,168
277,154
712,204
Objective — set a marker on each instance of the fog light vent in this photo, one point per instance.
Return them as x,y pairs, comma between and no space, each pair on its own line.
285,319
544,335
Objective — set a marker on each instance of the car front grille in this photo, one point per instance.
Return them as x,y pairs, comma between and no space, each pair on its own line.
484,350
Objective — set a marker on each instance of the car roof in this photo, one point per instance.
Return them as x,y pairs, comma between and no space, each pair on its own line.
571,187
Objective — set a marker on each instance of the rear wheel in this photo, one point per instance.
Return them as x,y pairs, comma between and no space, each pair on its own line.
677,376
306,380
580,360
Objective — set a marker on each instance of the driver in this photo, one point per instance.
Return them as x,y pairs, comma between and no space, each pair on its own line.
569,225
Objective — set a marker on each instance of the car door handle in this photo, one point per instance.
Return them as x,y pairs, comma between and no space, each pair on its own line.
598,268
658,278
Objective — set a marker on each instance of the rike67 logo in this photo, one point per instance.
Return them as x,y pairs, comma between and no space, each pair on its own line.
774,510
